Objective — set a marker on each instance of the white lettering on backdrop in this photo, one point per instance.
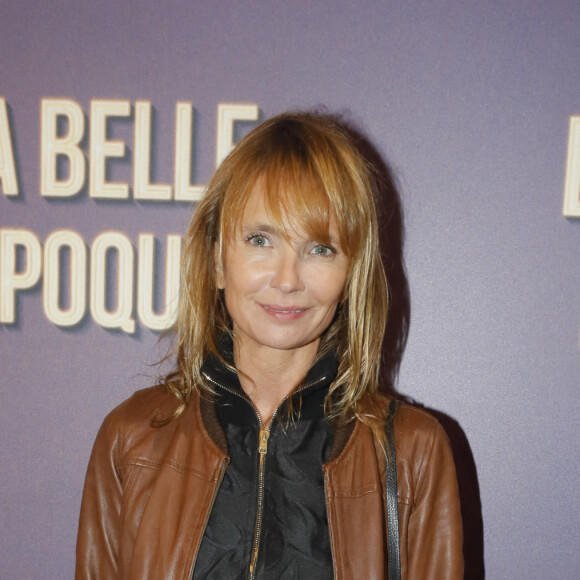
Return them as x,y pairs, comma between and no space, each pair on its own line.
109,270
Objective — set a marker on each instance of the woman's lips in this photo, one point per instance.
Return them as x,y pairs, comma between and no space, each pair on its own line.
284,312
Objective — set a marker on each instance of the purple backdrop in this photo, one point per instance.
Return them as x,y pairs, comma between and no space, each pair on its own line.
469,102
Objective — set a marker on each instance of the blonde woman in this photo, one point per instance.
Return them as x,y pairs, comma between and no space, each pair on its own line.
262,454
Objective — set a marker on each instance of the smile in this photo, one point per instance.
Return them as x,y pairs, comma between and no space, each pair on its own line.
284,312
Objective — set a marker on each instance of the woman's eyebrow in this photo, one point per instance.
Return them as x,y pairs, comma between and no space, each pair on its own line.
268,228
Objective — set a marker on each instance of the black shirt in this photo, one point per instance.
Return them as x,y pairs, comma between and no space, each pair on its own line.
269,516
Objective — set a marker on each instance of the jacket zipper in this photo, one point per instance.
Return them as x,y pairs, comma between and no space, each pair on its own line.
262,451
220,478
330,537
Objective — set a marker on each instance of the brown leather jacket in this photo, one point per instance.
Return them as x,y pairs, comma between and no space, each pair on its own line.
149,491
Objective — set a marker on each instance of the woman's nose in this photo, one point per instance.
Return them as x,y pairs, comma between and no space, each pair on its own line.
287,276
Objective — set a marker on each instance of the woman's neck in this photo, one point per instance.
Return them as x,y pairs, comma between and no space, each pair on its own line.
269,375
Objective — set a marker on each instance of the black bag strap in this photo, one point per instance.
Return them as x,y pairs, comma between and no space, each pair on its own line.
393,551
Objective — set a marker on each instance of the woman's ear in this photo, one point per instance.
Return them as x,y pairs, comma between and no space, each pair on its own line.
219,268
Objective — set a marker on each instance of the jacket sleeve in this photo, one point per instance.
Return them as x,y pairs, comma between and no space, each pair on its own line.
99,526
435,537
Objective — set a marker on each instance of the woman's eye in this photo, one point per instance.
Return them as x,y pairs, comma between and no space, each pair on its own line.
321,250
258,240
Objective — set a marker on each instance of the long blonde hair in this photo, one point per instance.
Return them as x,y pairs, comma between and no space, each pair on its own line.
311,170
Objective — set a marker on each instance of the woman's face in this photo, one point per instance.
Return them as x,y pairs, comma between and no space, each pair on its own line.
280,293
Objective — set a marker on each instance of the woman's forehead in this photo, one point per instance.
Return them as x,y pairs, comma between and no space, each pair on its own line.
282,212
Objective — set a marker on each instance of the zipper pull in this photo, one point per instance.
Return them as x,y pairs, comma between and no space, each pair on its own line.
263,447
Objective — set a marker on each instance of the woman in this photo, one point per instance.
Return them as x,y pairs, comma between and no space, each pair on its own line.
261,455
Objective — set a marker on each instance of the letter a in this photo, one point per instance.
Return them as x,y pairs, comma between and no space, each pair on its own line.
7,168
